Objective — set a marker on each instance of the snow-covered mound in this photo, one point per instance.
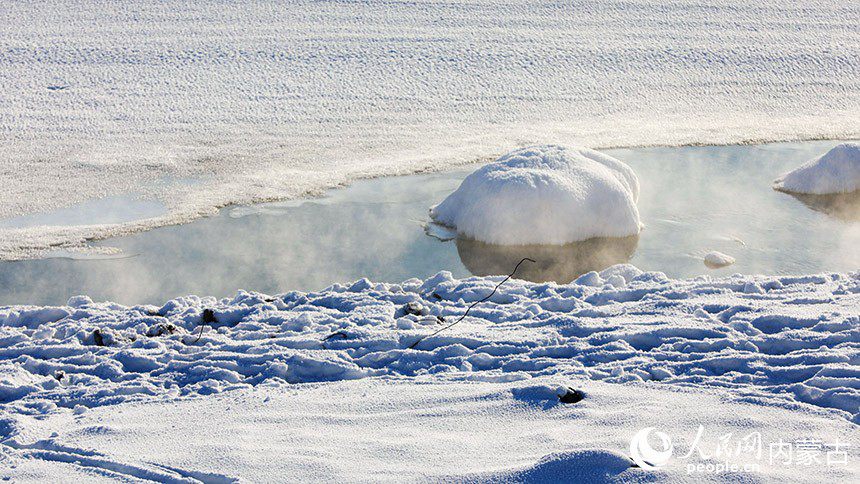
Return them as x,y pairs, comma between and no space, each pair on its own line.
544,195
716,260
588,465
837,171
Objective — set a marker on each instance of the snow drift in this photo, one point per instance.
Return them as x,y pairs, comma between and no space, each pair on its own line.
156,396
409,430
837,171
782,339
544,195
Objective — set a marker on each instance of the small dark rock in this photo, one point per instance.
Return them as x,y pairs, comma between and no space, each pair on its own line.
98,339
59,375
160,329
209,316
571,396
415,308
436,296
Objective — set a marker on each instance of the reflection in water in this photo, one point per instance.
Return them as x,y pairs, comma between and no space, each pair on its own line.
557,263
842,206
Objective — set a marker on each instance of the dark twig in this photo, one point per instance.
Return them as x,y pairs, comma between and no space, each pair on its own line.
336,333
208,317
199,335
413,345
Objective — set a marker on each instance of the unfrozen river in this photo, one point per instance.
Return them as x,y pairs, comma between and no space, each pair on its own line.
693,200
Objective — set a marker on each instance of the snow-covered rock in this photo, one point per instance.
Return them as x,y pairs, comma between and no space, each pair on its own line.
716,260
544,195
837,171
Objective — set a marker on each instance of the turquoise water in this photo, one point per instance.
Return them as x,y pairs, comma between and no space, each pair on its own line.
693,200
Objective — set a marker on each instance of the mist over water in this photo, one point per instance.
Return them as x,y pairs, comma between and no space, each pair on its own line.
693,200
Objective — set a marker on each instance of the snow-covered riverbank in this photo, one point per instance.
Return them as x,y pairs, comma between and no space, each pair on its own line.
259,100
777,355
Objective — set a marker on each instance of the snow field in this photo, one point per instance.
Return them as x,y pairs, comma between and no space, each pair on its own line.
424,428
201,105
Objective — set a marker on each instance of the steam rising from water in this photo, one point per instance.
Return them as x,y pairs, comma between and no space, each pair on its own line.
693,200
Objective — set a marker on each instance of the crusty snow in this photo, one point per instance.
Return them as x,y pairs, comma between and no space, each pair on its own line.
395,430
835,172
544,195
257,100
324,386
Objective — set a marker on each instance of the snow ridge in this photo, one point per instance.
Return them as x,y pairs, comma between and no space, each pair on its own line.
784,341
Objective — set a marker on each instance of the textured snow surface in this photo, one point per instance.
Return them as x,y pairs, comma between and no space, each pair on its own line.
399,430
544,195
781,339
837,171
259,100
743,353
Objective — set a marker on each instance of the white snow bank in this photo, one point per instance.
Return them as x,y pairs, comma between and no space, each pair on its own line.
781,339
586,465
739,354
837,171
716,260
544,195
422,429
16,382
